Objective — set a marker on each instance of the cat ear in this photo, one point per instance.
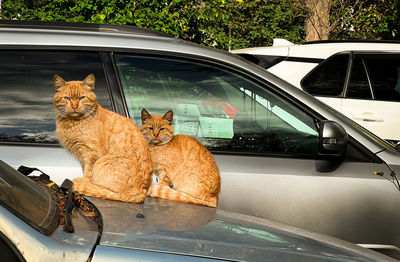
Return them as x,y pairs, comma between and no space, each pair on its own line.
145,115
89,81
58,82
169,116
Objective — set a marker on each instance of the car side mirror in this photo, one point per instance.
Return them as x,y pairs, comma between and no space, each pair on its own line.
333,140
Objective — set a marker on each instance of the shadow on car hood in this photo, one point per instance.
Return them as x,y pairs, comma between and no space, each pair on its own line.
180,228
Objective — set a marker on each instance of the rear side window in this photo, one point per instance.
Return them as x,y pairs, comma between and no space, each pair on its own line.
328,79
224,110
26,90
384,74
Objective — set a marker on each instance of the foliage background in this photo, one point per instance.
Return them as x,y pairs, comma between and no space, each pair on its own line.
224,24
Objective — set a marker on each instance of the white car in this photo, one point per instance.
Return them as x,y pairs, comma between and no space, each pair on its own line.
359,78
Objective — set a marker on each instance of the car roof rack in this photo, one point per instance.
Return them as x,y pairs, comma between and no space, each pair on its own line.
127,29
351,41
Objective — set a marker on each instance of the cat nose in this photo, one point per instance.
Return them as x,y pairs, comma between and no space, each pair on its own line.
74,106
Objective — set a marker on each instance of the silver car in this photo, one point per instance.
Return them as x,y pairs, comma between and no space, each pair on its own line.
158,230
282,154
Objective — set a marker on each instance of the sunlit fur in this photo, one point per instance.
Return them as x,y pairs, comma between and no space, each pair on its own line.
186,170
111,149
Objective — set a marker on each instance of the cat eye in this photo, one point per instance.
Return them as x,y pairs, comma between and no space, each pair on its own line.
67,98
151,128
82,97
162,128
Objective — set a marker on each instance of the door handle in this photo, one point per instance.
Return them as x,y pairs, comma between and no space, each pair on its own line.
368,117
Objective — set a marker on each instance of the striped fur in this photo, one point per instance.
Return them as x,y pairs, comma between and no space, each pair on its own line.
85,187
186,170
114,155
169,193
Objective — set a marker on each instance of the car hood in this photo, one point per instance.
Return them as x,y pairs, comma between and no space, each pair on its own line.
186,229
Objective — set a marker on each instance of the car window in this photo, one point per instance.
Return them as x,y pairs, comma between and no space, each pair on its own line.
26,88
384,73
328,78
358,86
222,109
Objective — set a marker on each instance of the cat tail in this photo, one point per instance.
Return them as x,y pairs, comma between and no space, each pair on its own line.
165,192
83,186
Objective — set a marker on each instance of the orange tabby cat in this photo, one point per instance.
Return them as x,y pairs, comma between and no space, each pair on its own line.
113,153
186,170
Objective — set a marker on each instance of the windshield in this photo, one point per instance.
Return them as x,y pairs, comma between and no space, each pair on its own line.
26,199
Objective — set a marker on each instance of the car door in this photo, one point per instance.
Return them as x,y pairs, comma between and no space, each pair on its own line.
372,96
266,146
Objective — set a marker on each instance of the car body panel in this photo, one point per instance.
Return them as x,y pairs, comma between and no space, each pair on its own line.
296,72
377,117
60,165
191,230
165,230
107,254
292,191
60,246
312,50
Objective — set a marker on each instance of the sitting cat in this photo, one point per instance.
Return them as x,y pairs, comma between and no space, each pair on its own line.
113,153
186,170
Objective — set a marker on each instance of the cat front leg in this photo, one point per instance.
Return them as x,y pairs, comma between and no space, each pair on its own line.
89,159
163,178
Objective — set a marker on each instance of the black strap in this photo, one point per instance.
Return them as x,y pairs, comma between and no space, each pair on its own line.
28,170
66,187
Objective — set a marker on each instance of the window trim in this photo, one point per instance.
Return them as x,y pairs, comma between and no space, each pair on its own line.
321,64
369,79
350,73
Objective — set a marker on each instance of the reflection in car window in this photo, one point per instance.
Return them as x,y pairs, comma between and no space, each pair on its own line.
223,110
358,86
328,78
385,77
26,89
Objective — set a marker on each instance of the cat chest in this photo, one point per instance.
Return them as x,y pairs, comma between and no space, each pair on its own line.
79,134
